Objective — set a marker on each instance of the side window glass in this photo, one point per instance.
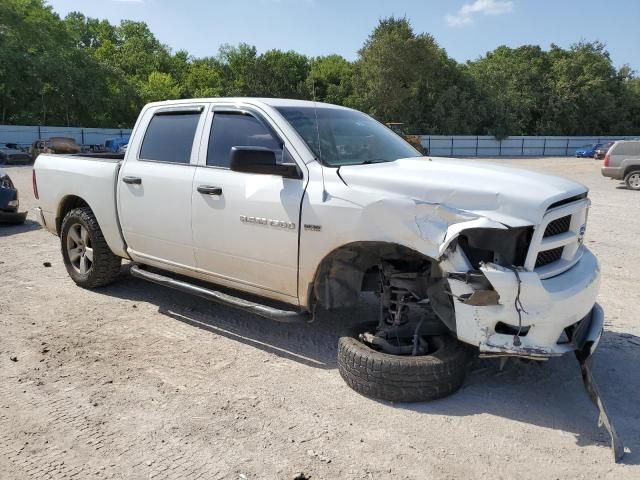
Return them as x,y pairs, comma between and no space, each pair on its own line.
169,137
237,130
627,148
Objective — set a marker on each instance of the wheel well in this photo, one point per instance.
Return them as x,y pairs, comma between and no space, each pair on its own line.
67,204
357,267
342,274
631,168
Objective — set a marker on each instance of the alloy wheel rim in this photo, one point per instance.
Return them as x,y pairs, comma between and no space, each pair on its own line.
634,180
79,249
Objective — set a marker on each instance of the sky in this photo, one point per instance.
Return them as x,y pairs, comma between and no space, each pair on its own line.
466,29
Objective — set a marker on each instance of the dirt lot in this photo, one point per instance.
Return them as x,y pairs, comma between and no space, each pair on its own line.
136,381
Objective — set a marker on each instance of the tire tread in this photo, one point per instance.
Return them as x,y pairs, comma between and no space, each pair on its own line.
106,265
403,379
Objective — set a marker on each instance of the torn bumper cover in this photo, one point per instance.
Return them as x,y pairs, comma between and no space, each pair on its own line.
557,315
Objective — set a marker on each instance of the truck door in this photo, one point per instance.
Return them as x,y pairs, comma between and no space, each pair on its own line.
245,226
155,183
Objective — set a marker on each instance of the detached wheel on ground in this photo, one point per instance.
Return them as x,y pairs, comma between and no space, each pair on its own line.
632,180
87,257
439,372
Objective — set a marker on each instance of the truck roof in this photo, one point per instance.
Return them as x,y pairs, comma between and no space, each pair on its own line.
272,102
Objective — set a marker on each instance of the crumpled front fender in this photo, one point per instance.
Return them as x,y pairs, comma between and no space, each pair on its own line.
428,228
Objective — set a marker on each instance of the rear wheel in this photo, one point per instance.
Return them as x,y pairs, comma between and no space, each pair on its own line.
633,180
87,257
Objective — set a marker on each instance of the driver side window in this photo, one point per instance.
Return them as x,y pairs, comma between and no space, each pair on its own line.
230,129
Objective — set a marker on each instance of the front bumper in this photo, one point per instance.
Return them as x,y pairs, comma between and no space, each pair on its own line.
12,218
566,301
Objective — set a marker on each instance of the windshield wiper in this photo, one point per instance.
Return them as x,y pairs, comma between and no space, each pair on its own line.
364,162
375,160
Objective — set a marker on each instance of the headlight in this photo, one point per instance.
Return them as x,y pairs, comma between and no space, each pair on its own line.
504,247
5,182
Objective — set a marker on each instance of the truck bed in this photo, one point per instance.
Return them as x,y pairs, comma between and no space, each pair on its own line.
91,177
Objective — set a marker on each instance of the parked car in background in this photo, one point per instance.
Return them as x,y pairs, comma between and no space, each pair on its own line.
9,202
123,148
622,162
17,146
602,150
55,145
587,150
96,148
114,144
11,156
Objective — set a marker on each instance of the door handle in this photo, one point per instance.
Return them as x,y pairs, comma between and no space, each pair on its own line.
209,190
132,180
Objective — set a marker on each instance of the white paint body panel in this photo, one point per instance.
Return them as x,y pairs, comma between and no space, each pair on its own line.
419,203
60,176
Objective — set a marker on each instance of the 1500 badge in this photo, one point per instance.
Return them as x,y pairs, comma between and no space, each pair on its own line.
268,221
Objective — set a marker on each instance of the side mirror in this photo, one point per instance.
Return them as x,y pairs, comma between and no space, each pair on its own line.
262,161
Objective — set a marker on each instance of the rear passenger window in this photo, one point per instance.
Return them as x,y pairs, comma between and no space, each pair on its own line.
627,148
169,137
237,130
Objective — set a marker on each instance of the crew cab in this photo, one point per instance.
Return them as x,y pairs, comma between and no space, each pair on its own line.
307,205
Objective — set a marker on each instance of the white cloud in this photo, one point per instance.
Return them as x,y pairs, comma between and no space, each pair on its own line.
465,15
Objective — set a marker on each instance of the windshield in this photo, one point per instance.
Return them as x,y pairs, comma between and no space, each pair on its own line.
346,137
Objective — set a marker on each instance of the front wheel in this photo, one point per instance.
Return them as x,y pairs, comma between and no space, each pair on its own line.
632,180
439,372
87,257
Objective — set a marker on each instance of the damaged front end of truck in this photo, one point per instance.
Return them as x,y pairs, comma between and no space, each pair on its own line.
527,291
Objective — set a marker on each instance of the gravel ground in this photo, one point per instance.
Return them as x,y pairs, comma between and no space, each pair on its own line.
137,381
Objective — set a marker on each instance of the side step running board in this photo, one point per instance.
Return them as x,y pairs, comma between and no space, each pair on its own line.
286,316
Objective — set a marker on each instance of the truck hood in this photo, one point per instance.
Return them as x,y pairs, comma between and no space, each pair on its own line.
511,196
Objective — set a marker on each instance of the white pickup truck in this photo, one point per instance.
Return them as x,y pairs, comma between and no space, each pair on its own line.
306,204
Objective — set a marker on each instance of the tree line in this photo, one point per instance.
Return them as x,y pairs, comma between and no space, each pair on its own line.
81,71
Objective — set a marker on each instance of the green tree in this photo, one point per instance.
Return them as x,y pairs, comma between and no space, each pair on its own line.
160,86
406,77
331,79
513,82
583,84
238,67
85,71
281,74
204,78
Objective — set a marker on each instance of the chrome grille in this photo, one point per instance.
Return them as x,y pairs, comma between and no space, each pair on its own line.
561,225
556,244
549,256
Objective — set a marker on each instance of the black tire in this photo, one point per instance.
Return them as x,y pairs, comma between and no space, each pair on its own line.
105,266
398,378
631,180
